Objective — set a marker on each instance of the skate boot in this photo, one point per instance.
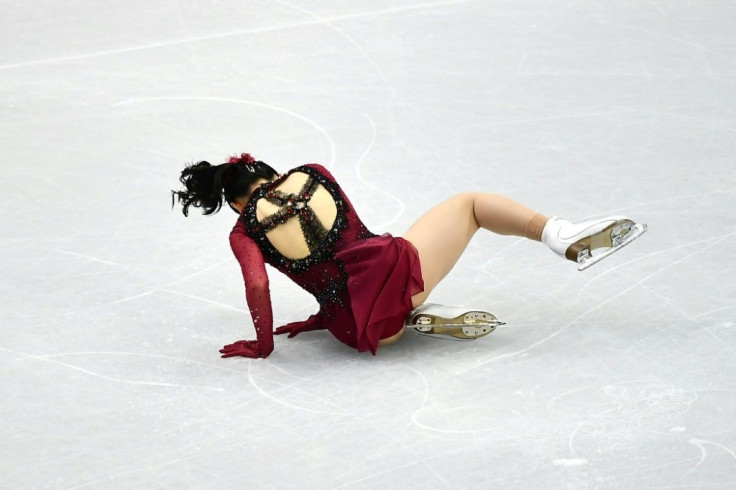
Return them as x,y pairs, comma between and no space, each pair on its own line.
589,242
451,322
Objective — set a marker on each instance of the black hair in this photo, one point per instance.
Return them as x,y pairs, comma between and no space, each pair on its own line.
207,186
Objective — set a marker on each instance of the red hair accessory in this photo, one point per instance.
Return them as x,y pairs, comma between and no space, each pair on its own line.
243,158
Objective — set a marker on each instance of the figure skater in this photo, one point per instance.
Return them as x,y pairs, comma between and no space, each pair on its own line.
369,287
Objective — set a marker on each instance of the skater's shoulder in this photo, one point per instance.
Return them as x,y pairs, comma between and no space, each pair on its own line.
318,168
238,232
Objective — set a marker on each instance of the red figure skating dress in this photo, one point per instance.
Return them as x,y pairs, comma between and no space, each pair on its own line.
362,282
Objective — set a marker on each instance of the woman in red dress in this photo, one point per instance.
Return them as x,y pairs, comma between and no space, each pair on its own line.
369,287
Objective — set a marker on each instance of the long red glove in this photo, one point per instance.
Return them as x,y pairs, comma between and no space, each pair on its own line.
257,295
314,322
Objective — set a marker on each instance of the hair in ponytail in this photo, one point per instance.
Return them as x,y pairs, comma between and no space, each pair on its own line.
207,186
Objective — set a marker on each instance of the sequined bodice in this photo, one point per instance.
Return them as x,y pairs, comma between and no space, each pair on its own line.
319,273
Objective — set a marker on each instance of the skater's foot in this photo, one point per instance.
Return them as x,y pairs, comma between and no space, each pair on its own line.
589,242
451,322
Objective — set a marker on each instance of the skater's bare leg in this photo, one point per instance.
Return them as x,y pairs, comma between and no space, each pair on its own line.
392,339
442,234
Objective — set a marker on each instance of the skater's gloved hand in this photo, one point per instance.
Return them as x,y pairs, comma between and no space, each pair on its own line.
314,322
244,348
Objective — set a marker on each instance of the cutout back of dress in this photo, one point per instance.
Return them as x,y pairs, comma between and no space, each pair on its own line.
296,215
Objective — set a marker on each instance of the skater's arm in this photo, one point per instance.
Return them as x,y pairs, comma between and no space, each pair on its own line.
257,295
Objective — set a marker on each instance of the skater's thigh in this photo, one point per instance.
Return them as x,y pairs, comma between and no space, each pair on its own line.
440,236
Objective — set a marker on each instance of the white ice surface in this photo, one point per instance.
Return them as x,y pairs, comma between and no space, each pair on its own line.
114,306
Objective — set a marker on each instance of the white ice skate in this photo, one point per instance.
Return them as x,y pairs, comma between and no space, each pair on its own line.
451,322
589,242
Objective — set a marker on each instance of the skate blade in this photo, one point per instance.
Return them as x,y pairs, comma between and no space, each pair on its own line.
462,334
468,326
621,234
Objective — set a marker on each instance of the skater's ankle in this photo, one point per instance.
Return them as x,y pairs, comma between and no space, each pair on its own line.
535,226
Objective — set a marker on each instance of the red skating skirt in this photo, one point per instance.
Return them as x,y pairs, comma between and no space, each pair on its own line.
384,272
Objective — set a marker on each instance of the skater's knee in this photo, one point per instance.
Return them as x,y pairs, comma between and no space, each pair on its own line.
468,196
470,199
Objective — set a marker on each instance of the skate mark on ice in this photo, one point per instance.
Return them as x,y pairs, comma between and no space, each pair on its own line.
700,443
422,407
88,257
173,129
553,400
205,300
168,358
633,405
715,311
666,37
34,241
671,264
420,460
570,443
719,340
679,197
376,188
241,32
510,355
715,241
688,316
265,394
172,283
319,128
49,359
592,308
425,384
493,259
358,47
229,408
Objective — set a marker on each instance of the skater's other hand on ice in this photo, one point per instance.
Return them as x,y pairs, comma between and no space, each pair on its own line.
295,328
